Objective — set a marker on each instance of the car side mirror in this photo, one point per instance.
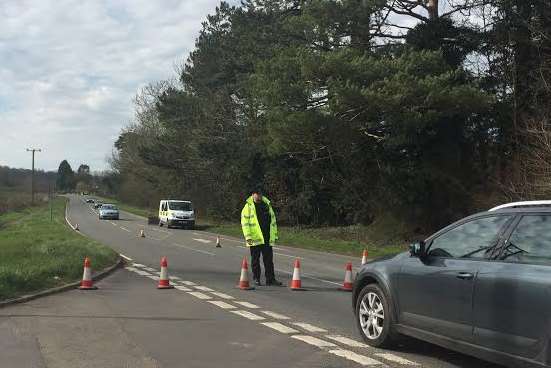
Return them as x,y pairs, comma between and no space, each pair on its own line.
418,249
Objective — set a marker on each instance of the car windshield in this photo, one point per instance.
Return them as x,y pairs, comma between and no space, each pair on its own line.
108,207
180,206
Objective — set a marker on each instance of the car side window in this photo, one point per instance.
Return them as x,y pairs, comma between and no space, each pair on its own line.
530,242
469,240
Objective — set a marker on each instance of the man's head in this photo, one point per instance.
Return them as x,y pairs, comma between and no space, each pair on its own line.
257,195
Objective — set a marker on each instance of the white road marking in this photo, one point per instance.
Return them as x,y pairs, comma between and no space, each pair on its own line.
200,295
203,288
132,269
222,295
153,277
248,305
174,278
314,341
182,288
125,229
275,315
202,240
149,269
112,223
310,277
308,327
143,273
280,327
287,255
396,359
248,315
194,250
188,283
138,265
357,358
125,257
222,304
346,341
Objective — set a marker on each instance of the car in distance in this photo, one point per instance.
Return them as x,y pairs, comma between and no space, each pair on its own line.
90,200
176,213
108,211
98,205
480,286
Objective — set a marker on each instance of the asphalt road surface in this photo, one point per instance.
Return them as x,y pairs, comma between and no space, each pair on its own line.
205,321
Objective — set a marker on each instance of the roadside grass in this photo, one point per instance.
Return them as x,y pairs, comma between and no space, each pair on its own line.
339,240
36,253
385,236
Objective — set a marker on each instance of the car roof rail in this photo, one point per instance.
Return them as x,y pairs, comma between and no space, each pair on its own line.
521,204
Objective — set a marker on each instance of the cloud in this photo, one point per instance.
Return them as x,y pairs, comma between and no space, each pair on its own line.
70,69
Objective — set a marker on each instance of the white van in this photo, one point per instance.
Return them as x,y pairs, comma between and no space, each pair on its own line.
176,213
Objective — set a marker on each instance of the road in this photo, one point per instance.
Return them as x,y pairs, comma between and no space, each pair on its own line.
205,321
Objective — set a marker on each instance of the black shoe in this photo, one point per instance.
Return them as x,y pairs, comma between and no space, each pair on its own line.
257,283
274,282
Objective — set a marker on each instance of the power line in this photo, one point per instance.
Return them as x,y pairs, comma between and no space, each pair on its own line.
33,150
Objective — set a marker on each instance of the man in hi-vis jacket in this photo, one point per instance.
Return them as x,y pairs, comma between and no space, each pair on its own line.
260,231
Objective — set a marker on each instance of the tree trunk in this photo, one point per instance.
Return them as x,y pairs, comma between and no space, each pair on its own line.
432,6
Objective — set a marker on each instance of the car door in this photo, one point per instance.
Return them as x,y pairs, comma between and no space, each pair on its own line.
512,300
435,291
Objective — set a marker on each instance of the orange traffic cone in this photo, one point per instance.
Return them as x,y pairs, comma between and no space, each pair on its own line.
364,257
347,284
87,283
76,227
296,283
164,282
244,279
218,245
142,233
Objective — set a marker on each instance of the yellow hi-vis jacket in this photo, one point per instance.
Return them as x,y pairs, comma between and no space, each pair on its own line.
251,227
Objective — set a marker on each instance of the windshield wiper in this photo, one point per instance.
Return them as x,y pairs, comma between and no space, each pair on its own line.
512,253
486,248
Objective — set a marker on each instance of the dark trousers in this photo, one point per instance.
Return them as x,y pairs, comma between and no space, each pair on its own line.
268,258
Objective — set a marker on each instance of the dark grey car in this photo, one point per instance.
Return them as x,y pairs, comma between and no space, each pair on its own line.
481,286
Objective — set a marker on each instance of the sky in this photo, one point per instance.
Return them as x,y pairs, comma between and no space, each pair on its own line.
69,70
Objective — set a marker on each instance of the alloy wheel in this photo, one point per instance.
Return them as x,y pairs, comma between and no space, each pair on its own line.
371,315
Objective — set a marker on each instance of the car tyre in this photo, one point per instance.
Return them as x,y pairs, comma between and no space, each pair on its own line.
381,338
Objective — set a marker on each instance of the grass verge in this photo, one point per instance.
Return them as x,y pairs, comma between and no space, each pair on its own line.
37,254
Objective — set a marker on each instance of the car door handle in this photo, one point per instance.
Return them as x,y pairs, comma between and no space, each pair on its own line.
465,276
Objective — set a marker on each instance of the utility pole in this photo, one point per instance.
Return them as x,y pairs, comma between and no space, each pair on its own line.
33,150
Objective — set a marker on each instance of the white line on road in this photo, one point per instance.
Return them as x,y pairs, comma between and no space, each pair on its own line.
248,315
112,223
143,273
275,315
222,304
149,269
200,295
311,277
357,358
182,288
188,283
125,257
138,265
174,278
314,341
287,255
248,305
346,341
395,359
203,288
202,240
308,327
222,295
195,250
132,269
125,229
280,327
